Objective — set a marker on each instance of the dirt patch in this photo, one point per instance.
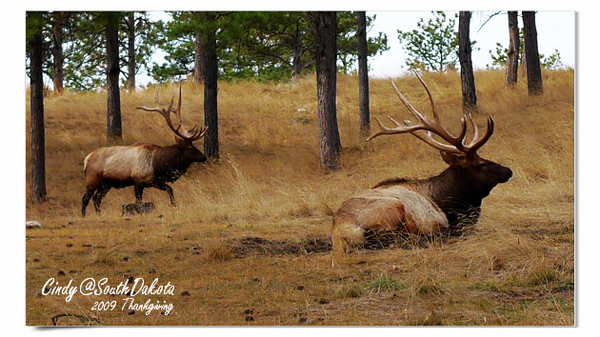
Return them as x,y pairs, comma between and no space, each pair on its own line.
253,245
256,245
410,241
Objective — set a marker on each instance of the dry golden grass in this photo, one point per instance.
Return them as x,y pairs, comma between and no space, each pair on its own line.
248,242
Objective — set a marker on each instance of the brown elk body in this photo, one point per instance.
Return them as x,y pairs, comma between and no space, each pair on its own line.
142,165
441,204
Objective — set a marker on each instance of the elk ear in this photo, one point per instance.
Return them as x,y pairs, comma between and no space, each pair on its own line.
454,158
180,142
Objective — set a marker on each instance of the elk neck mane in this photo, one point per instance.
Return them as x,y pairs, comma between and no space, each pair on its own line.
455,184
169,162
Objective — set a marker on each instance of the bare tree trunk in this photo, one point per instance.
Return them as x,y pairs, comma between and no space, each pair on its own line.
131,51
363,77
297,52
325,24
296,64
199,59
466,65
211,116
524,62
58,21
534,69
114,129
38,136
513,49
199,45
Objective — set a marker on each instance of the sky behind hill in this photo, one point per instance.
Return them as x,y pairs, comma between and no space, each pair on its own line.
556,31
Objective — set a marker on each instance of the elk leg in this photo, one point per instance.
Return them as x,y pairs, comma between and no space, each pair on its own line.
139,192
100,193
165,187
89,192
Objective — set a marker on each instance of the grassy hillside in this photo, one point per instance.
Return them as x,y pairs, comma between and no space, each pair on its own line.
248,243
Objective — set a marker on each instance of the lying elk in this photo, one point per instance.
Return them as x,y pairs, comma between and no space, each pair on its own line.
441,204
142,165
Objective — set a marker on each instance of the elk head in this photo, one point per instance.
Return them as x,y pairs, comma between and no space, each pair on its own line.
184,138
458,153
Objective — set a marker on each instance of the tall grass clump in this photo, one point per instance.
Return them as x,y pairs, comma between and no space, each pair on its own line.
386,283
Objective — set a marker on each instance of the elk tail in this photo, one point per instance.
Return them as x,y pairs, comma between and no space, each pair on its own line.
346,235
85,162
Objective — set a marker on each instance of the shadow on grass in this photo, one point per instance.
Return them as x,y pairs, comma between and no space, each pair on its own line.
255,245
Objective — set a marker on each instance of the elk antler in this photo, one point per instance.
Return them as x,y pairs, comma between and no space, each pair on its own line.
457,143
191,135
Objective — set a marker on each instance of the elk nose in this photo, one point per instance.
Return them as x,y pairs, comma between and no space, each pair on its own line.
507,175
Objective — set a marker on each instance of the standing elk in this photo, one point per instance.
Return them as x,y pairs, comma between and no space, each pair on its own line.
445,203
142,165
